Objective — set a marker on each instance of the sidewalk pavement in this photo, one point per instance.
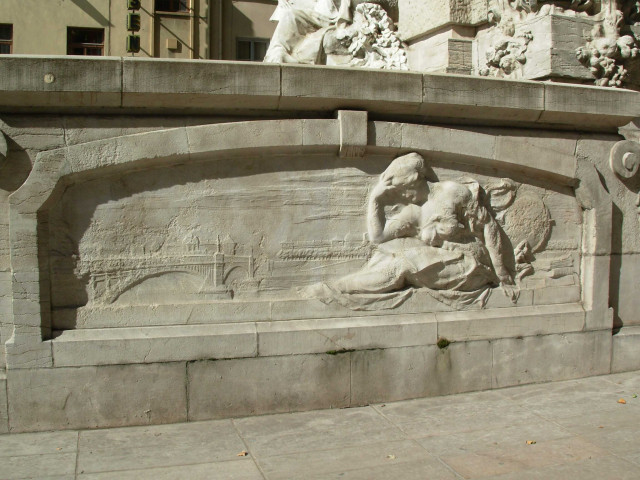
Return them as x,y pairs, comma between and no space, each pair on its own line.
575,429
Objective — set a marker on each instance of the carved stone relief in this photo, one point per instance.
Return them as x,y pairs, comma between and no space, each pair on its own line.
290,229
348,33
604,34
443,237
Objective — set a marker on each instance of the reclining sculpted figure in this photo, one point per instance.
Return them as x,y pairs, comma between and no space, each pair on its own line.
440,238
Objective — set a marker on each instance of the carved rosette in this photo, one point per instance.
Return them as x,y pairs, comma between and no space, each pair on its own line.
624,158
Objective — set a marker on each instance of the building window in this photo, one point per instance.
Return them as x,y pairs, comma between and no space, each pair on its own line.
85,41
251,49
6,38
172,5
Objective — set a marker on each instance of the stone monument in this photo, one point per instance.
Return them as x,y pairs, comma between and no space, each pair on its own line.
192,240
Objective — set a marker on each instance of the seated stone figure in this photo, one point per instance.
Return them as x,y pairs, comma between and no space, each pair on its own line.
350,32
442,239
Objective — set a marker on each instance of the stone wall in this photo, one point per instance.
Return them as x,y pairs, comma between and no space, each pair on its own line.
157,219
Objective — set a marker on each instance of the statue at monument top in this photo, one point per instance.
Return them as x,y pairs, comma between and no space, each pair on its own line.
325,32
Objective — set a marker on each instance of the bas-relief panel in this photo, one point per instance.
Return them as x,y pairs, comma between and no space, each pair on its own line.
296,227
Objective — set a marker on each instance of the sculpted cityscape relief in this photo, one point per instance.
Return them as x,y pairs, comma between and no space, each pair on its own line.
334,234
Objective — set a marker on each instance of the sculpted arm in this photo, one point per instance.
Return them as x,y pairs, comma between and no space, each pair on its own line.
380,228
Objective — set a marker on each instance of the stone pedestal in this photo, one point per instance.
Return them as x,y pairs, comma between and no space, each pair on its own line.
551,52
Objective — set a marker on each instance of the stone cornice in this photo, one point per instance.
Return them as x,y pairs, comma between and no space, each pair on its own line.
62,84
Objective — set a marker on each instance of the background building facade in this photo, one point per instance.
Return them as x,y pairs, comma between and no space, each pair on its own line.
190,29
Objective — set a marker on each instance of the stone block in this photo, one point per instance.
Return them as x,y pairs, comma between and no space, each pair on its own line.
321,133
510,322
624,289
154,344
25,348
4,414
419,17
242,137
424,371
253,386
321,336
353,133
548,358
626,350
92,397
333,88
160,315
453,96
193,84
49,81
131,151
612,105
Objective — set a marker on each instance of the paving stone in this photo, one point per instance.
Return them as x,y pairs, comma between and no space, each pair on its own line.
493,439
38,443
308,431
232,470
588,469
38,466
430,469
331,461
522,457
158,446
455,414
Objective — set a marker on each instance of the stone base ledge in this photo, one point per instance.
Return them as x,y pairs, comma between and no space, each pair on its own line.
109,346
168,392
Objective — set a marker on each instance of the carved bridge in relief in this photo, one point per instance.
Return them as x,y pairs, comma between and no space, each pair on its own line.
110,278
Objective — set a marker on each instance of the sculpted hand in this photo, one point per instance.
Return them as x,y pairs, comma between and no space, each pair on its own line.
511,291
382,189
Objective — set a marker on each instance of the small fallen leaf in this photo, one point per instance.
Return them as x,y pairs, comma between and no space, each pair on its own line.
600,426
622,401
531,442
634,396
59,448
243,453
383,405
391,457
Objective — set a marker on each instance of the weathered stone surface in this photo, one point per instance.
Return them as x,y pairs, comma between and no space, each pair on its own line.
48,81
418,17
321,336
412,372
157,446
154,344
193,84
91,397
4,414
332,88
231,388
551,357
452,96
626,350
510,322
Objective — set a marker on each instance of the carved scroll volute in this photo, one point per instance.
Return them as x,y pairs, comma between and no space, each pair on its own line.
624,159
